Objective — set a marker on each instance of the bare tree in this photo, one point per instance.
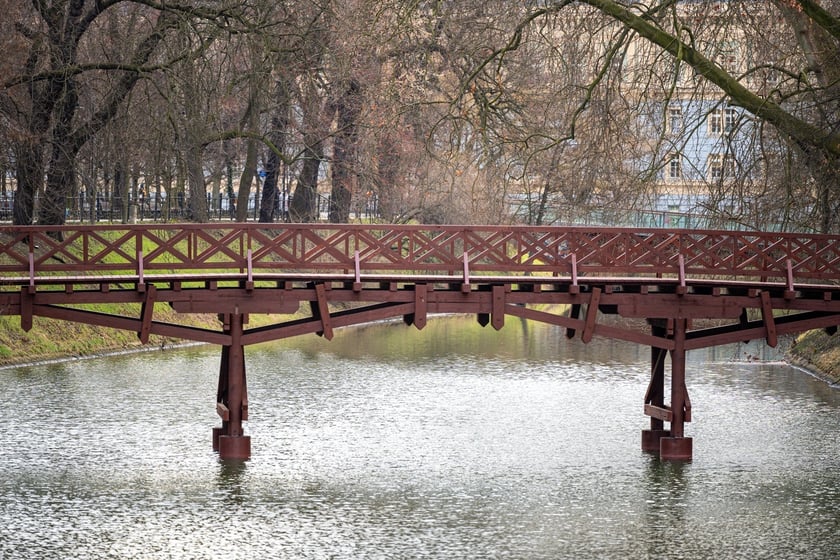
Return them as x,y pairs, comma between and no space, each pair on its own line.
48,89
802,104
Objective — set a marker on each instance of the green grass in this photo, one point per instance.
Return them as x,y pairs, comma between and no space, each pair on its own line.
50,339
819,352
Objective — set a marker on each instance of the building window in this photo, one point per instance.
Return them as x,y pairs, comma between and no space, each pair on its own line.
715,123
675,120
674,167
720,168
715,170
730,119
722,120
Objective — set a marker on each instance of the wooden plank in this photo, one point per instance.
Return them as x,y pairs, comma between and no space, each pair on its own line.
660,413
132,324
229,303
298,327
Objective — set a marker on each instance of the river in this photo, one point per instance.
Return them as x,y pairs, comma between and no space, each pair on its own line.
389,443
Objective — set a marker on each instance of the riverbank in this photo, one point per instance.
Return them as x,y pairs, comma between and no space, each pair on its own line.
819,353
49,339
52,340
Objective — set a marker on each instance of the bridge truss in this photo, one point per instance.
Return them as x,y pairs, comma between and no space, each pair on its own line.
676,290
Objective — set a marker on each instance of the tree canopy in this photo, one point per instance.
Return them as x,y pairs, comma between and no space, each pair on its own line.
431,111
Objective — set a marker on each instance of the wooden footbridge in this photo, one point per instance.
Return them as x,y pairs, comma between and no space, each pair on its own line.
694,289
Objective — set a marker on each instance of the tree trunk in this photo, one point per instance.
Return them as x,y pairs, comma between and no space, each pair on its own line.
304,203
279,125
29,173
197,203
345,148
29,152
823,58
270,194
120,200
388,164
61,178
249,172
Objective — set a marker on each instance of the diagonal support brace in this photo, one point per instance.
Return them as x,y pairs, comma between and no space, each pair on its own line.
591,316
146,312
321,311
767,317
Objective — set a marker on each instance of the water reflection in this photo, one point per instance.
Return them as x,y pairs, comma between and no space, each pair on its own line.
454,442
232,481
666,520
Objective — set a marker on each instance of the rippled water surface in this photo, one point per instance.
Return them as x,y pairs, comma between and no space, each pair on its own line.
453,442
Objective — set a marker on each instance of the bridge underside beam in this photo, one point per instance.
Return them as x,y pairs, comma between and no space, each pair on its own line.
314,324
139,325
413,302
753,330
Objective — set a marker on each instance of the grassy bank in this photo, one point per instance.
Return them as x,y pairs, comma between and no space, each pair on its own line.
819,353
50,339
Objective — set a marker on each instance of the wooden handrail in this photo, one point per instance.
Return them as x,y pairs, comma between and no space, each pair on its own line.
418,249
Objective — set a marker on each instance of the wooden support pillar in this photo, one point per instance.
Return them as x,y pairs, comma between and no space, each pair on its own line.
27,299
221,398
146,312
769,321
232,396
677,447
574,313
419,317
497,317
655,395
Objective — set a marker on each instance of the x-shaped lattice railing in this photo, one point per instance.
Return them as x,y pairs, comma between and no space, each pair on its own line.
413,249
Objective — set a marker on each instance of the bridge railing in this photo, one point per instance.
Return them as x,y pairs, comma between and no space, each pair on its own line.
416,250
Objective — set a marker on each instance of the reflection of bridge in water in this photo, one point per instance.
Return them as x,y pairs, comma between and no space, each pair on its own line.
751,285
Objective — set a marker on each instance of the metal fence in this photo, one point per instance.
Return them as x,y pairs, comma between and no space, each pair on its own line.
117,210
